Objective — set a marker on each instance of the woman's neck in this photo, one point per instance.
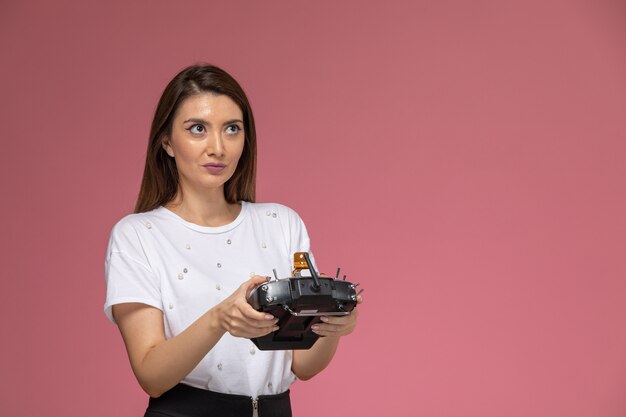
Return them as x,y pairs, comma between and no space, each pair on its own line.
208,208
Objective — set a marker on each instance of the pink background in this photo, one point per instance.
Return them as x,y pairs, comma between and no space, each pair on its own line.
465,162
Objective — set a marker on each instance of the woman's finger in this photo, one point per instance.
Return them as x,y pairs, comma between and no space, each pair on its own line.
250,313
254,325
245,315
247,287
252,333
341,319
240,328
325,328
325,331
332,328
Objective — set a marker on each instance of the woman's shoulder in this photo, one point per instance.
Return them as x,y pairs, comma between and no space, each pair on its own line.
135,222
273,210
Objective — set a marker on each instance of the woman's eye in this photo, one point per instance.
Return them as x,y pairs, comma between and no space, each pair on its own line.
196,129
232,129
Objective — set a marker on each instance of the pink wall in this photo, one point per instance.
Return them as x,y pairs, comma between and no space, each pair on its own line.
466,162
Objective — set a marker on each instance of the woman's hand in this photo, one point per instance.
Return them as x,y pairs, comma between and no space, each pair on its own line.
236,316
338,325
308,363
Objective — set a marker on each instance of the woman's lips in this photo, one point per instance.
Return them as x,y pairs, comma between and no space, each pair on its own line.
214,168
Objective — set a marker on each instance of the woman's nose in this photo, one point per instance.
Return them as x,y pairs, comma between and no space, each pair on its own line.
215,145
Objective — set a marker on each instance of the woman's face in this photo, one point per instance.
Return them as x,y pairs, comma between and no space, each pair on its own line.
207,140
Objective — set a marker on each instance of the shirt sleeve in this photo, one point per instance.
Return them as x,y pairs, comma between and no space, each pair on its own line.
128,276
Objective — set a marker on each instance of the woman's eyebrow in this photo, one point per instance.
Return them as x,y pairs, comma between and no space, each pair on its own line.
233,121
197,121
193,120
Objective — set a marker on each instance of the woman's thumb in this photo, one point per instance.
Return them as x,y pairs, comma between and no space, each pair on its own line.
249,285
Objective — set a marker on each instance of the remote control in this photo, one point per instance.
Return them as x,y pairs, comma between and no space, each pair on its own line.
300,302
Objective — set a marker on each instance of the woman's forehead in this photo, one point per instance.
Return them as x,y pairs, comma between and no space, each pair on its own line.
209,106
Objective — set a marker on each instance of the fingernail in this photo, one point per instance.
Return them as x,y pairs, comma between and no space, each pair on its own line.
269,317
274,328
324,319
315,327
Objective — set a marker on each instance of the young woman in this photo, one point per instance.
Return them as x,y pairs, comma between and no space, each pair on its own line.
179,270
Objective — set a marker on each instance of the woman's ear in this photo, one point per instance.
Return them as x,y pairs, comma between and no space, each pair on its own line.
165,143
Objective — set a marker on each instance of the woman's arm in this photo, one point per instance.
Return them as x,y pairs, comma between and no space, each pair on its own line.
308,363
160,364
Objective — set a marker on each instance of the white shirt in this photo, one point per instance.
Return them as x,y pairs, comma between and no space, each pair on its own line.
159,259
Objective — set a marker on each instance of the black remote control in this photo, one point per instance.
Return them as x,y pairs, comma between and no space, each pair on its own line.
299,303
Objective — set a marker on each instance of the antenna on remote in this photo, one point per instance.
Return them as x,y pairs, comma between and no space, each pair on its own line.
337,274
275,274
316,286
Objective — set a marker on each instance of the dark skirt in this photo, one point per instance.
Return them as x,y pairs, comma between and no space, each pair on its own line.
186,401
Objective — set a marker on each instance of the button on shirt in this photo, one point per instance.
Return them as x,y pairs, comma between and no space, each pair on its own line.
159,259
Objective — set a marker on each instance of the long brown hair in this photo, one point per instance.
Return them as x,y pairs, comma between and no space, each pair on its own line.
160,176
